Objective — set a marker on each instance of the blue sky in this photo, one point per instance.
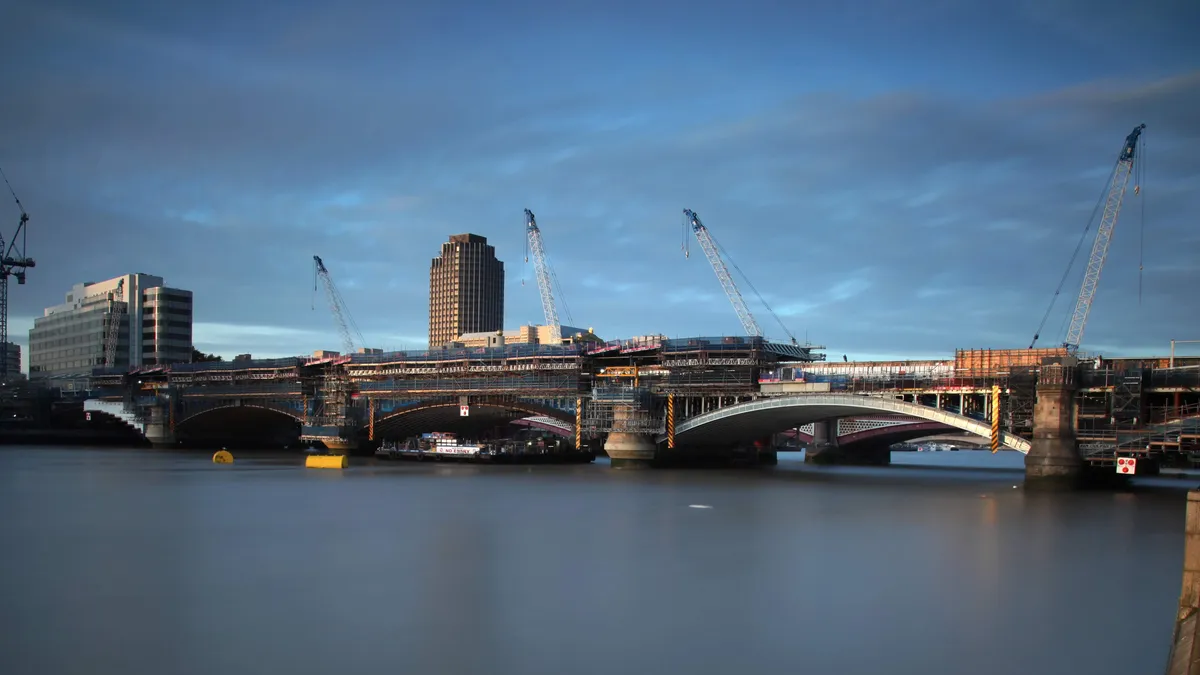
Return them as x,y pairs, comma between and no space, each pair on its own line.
897,178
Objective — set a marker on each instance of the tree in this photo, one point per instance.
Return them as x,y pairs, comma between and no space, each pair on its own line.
200,357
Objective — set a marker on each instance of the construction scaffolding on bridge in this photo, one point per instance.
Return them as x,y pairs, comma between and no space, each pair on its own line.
622,409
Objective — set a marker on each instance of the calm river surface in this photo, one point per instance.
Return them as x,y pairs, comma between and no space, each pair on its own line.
132,561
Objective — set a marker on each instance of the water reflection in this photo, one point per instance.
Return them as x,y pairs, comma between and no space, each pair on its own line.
123,561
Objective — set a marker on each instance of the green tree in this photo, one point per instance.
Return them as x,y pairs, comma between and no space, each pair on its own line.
200,357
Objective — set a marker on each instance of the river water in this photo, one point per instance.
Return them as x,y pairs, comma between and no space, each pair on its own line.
131,561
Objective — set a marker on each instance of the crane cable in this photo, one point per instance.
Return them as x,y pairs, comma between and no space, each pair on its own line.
725,254
1139,179
1074,256
12,244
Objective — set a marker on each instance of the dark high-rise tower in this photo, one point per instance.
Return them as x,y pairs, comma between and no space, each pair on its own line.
466,289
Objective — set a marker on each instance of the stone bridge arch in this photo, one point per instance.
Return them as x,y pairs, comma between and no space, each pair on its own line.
754,419
192,413
442,415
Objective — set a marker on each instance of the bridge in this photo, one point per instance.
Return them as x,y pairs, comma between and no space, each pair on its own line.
643,399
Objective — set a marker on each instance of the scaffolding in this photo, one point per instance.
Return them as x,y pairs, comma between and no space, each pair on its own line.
622,409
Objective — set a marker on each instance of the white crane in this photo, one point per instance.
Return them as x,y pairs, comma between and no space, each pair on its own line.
547,280
337,307
116,316
712,251
1114,196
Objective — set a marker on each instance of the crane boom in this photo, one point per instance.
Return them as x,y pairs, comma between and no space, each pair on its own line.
13,263
336,306
1112,208
542,270
714,258
116,313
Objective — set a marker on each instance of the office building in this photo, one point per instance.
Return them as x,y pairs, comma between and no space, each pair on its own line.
12,364
69,340
466,290
527,335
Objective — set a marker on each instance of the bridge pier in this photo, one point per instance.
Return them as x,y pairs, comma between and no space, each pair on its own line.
1053,461
629,451
824,446
158,428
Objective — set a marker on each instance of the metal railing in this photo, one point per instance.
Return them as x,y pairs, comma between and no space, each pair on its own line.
498,385
469,353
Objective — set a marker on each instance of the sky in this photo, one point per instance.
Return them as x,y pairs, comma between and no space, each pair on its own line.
896,178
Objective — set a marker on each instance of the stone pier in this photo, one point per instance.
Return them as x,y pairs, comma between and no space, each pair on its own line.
1185,645
628,449
158,428
1053,461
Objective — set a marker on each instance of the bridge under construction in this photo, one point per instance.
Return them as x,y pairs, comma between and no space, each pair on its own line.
652,398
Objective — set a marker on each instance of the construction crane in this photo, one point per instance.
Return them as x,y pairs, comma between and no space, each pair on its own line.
116,313
13,263
547,280
712,250
337,307
1111,202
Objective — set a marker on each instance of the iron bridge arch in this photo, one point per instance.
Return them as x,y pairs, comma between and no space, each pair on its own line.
783,412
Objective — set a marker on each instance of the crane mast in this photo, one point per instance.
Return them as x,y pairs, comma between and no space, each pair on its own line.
1112,208
336,306
116,314
13,263
714,258
542,270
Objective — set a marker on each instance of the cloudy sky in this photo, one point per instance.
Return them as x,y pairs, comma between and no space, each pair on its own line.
895,177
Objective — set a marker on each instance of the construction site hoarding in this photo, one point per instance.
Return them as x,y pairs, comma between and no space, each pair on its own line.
994,361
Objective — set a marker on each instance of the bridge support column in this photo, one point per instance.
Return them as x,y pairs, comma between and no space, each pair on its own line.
824,446
158,428
629,451
1053,461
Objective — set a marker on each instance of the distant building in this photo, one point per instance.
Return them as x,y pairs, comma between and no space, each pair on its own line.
466,290
526,335
68,341
12,364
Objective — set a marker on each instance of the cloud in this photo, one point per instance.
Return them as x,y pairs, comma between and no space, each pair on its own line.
876,214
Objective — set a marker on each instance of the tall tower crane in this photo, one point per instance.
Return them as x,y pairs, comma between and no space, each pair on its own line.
337,306
547,280
1111,201
13,263
712,250
709,245
116,316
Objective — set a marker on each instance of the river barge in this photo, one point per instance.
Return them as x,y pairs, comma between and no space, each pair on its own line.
447,447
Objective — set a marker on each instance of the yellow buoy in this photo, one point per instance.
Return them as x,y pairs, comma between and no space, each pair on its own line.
326,461
222,457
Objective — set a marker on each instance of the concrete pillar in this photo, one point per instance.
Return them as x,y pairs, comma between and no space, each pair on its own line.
824,446
628,450
765,453
1053,460
158,428
1185,646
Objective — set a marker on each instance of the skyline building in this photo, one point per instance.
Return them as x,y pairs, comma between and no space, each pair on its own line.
155,327
466,289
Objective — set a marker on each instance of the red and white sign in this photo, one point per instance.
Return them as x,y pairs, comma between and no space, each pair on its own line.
1127,465
464,411
88,416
